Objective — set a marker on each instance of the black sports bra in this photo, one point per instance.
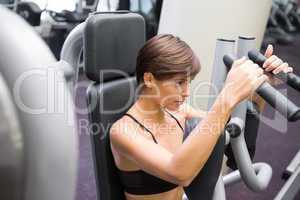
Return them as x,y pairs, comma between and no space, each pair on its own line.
140,182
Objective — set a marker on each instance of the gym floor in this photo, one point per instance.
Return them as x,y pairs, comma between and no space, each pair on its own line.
277,143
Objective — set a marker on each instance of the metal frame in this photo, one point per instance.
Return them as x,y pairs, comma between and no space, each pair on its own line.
291,188
256,176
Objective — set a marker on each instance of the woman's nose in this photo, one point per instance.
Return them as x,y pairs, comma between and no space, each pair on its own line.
186,91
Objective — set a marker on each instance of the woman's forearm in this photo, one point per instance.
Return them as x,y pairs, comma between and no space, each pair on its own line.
189,159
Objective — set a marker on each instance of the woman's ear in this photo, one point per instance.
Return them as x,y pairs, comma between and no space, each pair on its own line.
149,79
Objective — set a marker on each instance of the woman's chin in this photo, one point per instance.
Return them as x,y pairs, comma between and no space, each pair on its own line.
173,107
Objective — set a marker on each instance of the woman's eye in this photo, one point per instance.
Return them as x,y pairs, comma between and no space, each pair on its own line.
180,82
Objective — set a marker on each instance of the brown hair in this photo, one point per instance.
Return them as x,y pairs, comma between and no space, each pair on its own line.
165,56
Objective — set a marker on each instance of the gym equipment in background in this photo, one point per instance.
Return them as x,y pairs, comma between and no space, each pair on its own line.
38,145
282,18
290,9
275,33
11,4
30,11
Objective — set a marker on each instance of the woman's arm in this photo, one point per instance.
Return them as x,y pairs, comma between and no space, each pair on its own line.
190,112
185,163
201,141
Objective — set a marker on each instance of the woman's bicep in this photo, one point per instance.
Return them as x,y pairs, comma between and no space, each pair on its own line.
147,155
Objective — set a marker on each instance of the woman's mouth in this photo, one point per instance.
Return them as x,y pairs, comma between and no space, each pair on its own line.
179,102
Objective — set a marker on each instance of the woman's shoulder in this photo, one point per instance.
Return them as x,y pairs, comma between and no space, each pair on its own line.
121,125
121,133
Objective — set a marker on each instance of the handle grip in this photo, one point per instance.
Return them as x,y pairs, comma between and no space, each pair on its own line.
289,78
273,97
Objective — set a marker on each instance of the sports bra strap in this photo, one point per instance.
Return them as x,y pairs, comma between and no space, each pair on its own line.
134,119
175,120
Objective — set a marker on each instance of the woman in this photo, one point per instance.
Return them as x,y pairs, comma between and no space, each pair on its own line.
147,142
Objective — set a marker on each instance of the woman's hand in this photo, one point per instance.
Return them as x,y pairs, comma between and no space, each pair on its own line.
242,80
274,65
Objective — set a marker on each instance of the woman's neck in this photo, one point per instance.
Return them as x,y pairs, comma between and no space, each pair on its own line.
149,109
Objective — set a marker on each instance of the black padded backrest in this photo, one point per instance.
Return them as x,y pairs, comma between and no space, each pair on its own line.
108,102
111,42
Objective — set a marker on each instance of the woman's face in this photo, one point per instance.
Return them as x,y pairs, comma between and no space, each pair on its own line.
172,93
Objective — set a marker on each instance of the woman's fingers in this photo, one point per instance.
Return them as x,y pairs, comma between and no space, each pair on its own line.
274,65
269,51
284,67
258,81
258,77
238,62
269,61
259,71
